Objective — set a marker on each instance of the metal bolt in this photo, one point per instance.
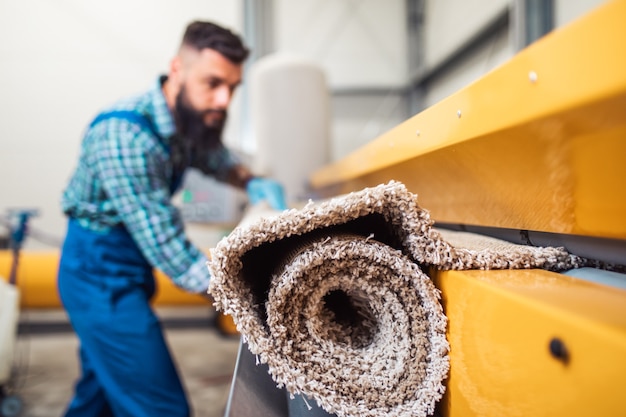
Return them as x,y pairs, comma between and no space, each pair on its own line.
458,113
559,350
532,76
417,133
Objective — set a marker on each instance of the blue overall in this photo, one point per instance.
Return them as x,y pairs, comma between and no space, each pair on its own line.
106,284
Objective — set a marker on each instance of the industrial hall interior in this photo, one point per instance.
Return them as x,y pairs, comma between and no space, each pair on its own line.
278,208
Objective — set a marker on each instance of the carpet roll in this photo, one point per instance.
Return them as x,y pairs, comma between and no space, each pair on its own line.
334,299
355,322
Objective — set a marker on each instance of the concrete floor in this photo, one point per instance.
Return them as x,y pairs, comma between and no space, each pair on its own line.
46,361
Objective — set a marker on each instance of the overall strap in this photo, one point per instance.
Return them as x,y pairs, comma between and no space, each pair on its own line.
143,121
133,117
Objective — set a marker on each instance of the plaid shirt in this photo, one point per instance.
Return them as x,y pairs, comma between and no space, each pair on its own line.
125,177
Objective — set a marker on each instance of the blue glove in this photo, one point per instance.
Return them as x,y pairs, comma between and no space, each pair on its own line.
259,189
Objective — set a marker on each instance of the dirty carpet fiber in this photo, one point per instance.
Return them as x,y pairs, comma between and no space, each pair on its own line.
334,298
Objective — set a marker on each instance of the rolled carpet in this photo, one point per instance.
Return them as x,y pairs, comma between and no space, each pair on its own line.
334,299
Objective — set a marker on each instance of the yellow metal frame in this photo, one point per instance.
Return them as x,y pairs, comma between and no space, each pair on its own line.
37,282
501,324
536,144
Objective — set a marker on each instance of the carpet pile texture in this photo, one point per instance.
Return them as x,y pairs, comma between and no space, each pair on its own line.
335,299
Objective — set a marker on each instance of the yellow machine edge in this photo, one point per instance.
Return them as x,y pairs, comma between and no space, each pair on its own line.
37,282
536,144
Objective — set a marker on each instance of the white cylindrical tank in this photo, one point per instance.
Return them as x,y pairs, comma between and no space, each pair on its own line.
290,113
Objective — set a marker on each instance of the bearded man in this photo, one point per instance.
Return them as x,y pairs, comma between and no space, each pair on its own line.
122,224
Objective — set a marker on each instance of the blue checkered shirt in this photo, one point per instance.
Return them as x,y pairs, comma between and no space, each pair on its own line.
125,177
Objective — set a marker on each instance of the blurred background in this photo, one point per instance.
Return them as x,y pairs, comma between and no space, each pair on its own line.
383,61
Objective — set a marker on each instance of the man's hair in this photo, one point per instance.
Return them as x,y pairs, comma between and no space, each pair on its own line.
200,35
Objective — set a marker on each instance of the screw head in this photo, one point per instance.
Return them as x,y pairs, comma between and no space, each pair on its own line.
458,113
532,76
558,350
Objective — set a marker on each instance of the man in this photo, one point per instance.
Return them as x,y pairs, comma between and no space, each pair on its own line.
122,224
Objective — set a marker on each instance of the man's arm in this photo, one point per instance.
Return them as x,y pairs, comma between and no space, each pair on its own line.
238,175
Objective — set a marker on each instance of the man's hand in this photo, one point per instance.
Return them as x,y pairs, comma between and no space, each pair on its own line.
260,189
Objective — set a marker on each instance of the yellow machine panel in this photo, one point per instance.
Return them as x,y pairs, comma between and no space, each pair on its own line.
536,144
533,343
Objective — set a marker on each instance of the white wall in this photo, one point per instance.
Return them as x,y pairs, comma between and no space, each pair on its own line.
450,23
448,26
359,43
63,60
494,53
569,10
362,47
359,118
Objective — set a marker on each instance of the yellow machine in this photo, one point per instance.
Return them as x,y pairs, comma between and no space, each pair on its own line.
36,280
533,153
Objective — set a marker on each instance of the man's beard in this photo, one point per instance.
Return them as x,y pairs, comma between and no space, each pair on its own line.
191,125
194,139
